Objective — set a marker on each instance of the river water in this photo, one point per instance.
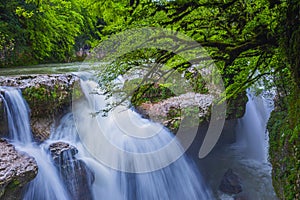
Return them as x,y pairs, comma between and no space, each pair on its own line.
248,157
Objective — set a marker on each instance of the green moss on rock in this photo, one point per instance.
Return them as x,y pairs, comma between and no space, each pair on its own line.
284,133
236,107
48,97
45,100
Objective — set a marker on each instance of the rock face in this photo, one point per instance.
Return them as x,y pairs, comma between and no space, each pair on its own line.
48,96
41,127
284,150
231,183
236,107
62,152
76,175
16,169
170,112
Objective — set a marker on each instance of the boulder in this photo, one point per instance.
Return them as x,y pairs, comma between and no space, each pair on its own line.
171,111
60,151
231,183
74,172
16,169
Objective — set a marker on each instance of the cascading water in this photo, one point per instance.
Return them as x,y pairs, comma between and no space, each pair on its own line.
47,184
247,157
179,180
252,130
17,115
126,130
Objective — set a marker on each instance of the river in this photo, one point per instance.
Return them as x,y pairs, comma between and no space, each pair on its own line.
247,157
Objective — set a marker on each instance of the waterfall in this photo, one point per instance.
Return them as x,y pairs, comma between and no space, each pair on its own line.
47,185
178,180
17,112
132,136
251,130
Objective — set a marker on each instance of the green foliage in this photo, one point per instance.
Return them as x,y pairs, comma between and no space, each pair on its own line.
284,136
285,153
241,36
36,31
47,100
151,93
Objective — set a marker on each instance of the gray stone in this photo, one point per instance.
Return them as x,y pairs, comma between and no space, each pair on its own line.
41,128
75,173
16,170
231,183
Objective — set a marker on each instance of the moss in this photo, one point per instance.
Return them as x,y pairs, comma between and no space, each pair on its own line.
77,92
13,185
236,107
152,93
13,188
45,100
284,149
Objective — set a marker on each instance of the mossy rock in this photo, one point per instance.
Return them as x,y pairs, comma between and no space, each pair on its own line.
284,150
48,97
44,100
236,107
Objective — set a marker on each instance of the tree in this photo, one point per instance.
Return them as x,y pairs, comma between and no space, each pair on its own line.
241,36
35,31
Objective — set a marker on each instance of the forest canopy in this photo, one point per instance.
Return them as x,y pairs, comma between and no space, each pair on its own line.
247,39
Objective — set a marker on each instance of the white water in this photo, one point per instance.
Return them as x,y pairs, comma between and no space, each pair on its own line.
179,180
243,157
17,112
252,135
136,138
47,184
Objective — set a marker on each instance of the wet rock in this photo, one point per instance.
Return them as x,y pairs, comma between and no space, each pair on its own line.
170,112
62,152
231,183
241,197
236,107
75,173
164,107
41,127
25,81
16,169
